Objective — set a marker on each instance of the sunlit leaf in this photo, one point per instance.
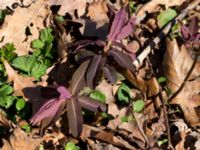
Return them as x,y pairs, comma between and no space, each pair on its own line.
165,16
138,106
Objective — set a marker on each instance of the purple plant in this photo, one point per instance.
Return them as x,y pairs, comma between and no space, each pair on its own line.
57,99
190,34
121,26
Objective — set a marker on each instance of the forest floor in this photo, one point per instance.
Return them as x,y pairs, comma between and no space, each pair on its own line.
99,74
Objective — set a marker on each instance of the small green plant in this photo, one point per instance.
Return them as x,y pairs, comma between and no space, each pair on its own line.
6,98
37,63
97,95
123,94
71,146
165,16
162,80
7,52
27,128
138,106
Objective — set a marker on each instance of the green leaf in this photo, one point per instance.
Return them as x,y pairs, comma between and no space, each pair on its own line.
38,70
20,104
138,106
162,79
37,44
71,146
6,101
41,147
123,93
98,96
160,142
2,15
5,90
24,63
7,51
27,128
165,16
46,36
60,18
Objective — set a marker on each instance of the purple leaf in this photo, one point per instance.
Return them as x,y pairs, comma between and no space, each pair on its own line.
52,119
122,59
193,26
51,107
117,24
75,118
78,78
127,29
92,105
84,55
110,73
92,70
185,32
83,43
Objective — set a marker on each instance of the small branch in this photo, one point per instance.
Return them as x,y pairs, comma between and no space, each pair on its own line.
166,119
163,33
186,78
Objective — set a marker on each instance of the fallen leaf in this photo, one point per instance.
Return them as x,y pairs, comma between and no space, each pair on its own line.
97,11
32,18
4,121
8,3
69,6
19,82
177,63
97,133
19,140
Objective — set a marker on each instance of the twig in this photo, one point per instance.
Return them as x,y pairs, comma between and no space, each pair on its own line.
166,119
186,78
163,33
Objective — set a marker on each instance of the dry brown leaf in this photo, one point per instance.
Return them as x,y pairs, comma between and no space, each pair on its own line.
7,3
4,121
19,82
19,140
97,133
97,11
69,6
177,63
14,28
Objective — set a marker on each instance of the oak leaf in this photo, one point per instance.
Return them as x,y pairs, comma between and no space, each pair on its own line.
19,82
69,6
32,18
177,63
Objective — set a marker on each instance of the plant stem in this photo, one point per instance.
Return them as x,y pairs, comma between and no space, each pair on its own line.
166,119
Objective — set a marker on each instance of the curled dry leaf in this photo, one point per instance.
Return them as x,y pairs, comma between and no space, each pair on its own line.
19,140
19,82
14,29
177,63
